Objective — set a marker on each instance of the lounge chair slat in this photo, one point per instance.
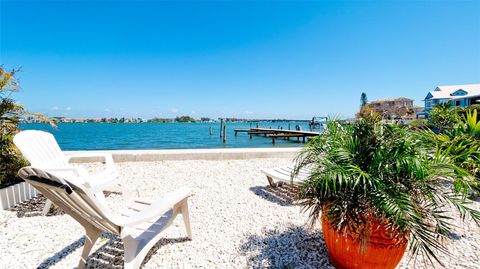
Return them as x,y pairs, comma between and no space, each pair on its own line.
303,171
80,208
284,174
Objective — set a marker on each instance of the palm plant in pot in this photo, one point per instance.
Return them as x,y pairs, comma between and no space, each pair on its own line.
377,188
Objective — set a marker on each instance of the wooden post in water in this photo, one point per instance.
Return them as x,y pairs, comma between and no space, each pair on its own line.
257,124
224,133
289,126
221,127
211,130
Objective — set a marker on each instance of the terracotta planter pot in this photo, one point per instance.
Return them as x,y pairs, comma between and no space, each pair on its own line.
384,250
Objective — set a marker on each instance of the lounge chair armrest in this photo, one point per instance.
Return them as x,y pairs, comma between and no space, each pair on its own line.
73,174
98,184
75,170
156,209
110,169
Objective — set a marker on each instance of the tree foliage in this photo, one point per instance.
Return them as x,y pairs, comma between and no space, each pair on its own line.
443,118
366,110
184,119
363,99
10,113
460,142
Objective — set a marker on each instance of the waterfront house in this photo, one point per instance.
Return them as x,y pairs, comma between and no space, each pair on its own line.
458,95
398,108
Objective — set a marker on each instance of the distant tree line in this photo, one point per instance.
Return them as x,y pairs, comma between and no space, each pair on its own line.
180,119
184,119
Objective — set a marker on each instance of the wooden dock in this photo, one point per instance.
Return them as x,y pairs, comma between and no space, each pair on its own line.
278,133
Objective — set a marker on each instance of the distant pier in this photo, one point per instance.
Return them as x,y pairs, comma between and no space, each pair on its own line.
278,133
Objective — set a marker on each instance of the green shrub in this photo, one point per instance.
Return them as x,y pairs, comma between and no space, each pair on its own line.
418,123
10,159
462,144
442,118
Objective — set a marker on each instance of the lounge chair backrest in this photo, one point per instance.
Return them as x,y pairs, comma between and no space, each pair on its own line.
77,201
40,149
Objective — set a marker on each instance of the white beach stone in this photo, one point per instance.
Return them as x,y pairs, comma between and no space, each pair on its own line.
237,222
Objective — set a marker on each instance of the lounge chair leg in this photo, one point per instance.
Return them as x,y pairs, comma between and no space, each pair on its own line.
133,259
47,207
186,218
92,234
270,181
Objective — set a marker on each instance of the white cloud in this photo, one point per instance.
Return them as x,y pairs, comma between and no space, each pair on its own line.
247,112
193,112
68,108
106,109
174,110
55,108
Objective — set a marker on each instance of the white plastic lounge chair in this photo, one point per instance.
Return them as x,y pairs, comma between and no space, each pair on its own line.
139,225
42,150
281,175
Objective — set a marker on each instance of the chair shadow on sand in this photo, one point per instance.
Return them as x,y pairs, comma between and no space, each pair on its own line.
109,255
293,247
283,195
33,208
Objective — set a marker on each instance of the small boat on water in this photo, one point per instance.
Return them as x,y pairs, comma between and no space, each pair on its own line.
318,123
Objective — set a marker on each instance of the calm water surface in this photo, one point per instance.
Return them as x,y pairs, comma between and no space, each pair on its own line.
113,136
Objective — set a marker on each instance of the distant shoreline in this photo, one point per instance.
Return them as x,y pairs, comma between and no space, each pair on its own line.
149,121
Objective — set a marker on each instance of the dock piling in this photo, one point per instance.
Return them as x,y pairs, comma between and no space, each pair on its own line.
211,130
221,127
225,133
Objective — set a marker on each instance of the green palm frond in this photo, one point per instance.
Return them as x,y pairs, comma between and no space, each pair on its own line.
393,174
10,115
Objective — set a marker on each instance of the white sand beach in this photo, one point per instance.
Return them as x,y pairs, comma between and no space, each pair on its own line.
237,221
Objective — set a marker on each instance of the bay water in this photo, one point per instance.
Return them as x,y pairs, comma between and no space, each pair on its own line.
118,136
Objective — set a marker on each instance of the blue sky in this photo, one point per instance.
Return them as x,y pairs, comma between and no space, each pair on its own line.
238,59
